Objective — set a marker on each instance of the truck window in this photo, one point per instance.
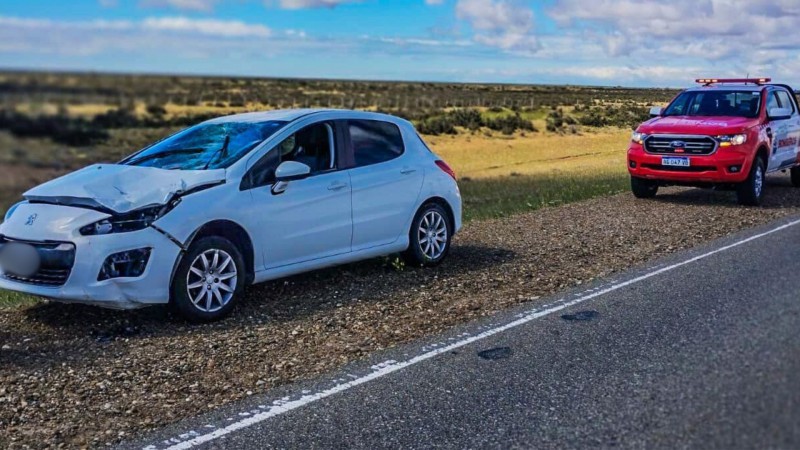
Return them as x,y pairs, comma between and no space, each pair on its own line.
786,101
772,101
716,103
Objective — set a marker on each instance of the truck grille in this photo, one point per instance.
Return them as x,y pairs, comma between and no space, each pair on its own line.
691,145
57,260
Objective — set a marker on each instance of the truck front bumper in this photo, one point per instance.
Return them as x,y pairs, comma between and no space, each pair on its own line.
726,166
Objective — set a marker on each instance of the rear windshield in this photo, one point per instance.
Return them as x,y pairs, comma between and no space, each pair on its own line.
716,103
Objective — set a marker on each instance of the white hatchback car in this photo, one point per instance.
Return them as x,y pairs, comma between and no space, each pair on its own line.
242,199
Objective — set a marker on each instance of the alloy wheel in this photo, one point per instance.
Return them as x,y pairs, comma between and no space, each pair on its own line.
211,281
432,235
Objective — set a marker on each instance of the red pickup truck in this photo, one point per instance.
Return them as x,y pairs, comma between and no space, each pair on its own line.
725,133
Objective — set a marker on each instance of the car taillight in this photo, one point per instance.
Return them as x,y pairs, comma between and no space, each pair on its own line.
446,169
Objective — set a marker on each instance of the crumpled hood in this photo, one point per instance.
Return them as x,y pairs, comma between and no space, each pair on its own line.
712,126
121,189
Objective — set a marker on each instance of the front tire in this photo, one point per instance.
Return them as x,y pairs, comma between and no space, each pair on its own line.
751,191
430,236
643,188
209,281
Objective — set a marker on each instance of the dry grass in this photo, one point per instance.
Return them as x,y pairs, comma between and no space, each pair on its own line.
481,156
505,175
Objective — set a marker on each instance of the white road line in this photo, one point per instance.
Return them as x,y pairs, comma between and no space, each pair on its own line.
389,367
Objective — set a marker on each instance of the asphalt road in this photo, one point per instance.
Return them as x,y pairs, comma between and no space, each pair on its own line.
697,351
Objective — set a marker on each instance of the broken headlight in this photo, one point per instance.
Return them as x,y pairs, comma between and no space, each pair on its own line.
11,211
125,223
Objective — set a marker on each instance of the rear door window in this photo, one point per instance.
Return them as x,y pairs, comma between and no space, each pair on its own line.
374,141
786,102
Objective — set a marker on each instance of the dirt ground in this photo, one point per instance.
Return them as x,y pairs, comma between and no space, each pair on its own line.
76,376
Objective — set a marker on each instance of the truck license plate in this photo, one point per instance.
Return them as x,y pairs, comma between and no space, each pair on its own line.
675,161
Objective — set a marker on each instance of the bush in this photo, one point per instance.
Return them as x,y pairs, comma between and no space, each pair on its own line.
436,126
467,118
156,110
60,128
472,120
509,124
117,118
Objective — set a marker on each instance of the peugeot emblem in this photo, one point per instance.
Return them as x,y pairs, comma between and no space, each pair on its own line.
31,220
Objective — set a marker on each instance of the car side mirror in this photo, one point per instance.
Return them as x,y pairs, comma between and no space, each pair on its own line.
656,111
286,172
779,113
291,171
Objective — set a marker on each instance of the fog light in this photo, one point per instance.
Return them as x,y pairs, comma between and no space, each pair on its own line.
734,169
632,164
130,264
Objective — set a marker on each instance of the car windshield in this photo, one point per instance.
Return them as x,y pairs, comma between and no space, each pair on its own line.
205,146
716,103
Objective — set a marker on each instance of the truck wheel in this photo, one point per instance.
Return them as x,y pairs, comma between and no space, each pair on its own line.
751,191
795,173
642,188
209,280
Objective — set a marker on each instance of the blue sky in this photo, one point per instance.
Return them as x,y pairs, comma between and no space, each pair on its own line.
600,42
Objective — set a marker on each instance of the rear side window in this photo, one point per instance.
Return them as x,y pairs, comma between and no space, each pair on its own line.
374,141
786,101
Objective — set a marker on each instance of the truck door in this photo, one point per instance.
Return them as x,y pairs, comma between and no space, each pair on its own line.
785,132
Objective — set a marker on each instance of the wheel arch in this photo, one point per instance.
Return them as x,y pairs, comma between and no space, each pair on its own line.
233,232
763,153
444,204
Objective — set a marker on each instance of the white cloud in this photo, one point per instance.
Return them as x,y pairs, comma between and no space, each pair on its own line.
707,29
183,5
211,27
500,23
302,4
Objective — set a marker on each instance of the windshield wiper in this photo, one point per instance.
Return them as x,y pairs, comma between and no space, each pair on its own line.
221,152
165,153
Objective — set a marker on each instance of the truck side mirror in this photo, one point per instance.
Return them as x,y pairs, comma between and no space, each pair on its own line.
656,111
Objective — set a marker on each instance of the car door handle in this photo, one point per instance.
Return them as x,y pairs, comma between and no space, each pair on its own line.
408,171
337,186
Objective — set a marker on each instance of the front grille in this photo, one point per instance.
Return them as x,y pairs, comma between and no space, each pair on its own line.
691,145
57,260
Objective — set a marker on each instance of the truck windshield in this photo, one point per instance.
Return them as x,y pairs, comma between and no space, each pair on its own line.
716,103
205,146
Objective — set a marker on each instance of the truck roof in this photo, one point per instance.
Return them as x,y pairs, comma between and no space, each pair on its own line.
730,87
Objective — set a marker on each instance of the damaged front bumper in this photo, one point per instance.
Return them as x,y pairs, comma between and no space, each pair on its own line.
54,230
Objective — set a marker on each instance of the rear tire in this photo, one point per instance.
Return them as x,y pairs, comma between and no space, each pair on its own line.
643,188
751,191
795,175
430,236
209,281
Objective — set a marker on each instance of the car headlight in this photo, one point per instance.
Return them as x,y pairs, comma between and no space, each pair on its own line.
11,210
638,137
125,223
732,139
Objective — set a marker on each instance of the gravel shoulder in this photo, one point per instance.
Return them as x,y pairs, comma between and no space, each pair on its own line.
73,376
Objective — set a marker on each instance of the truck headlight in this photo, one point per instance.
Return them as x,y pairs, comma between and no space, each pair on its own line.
125,223
732,139
11,210
638,137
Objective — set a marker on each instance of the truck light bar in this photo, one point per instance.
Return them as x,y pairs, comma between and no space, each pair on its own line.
710,81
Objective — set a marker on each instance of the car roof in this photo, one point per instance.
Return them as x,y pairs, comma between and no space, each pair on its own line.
290,115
